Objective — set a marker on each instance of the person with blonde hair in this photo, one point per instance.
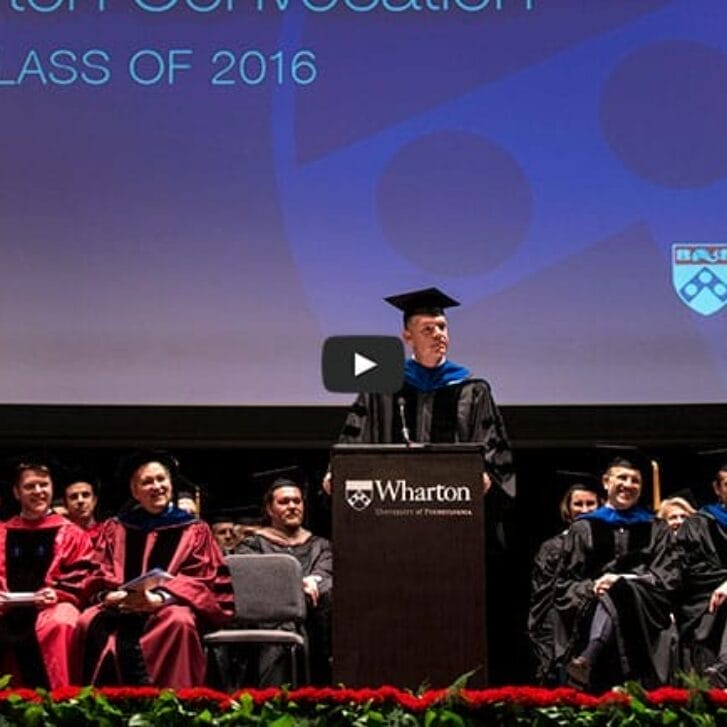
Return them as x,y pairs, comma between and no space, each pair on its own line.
674,511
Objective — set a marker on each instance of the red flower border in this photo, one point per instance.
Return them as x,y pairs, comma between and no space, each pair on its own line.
471,700
27,695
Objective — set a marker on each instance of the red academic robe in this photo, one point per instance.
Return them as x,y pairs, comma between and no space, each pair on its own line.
94,532
37,642
163,648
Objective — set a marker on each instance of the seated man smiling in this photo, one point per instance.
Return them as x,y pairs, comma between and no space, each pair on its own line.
152,635
46,562
613,587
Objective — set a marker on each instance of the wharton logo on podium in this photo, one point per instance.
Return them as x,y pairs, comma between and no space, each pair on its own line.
359,493
423,500
699,276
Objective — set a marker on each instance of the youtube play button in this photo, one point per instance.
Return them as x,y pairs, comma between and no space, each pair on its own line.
362,365
373,364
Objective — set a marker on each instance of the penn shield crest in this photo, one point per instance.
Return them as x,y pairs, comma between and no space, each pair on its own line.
699,275
359,493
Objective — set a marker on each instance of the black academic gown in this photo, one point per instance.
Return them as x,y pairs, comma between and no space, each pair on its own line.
639,606
463,412
542,616
702,548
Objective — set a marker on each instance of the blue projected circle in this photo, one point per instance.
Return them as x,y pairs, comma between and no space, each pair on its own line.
473,203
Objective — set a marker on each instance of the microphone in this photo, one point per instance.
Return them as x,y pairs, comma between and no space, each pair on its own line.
402,415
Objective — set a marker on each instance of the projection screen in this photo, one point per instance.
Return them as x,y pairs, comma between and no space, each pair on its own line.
196,193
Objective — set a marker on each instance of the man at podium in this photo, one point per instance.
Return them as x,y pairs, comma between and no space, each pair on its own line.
440,400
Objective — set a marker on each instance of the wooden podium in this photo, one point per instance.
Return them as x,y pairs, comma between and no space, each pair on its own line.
409,566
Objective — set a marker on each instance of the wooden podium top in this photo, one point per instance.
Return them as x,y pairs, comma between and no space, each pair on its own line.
414,447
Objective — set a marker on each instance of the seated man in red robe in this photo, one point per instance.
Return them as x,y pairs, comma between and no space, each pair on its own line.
45,564
80,496
151,634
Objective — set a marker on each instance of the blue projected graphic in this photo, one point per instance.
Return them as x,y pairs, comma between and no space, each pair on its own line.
700,276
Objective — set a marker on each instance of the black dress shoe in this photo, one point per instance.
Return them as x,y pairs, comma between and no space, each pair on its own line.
716,675
578,673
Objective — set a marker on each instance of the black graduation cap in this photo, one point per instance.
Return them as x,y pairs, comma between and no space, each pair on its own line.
570,479
269,479
220,516
12,466
244,514
131,462
628,455
712,461
428,301
705,466
77,473
184,487
623,455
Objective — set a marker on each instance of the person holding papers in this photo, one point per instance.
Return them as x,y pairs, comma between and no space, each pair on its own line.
45,565
162,580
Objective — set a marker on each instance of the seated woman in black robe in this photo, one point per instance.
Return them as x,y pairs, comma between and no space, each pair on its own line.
580,497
